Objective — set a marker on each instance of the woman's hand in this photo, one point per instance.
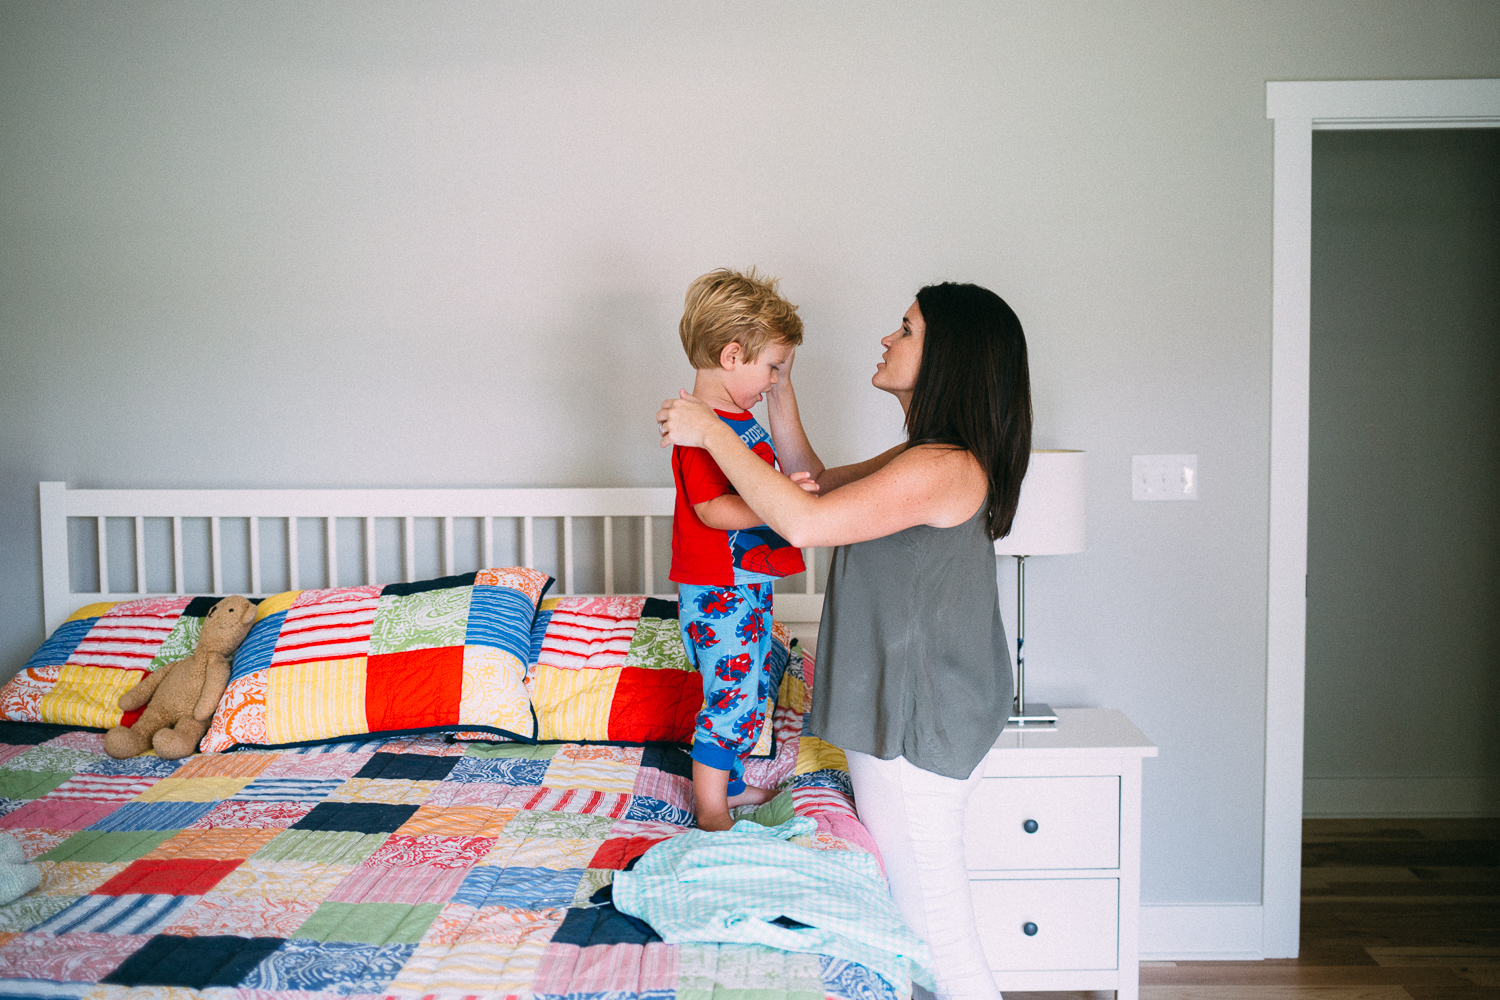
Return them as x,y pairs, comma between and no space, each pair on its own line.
686,421
783,386
805,480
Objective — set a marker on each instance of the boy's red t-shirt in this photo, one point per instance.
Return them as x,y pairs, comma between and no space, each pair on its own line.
707,556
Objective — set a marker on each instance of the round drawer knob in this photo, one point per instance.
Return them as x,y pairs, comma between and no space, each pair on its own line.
1030,827
1029,929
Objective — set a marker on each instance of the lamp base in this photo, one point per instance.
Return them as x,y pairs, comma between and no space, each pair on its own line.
1037,715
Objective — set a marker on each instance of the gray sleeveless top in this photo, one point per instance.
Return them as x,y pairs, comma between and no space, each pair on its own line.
912,658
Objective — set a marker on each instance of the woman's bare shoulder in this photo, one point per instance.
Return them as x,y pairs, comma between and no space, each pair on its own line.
954,476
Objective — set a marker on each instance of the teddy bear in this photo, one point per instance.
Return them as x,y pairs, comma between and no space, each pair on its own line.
184,694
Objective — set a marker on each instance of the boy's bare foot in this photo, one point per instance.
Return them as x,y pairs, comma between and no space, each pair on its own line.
751,796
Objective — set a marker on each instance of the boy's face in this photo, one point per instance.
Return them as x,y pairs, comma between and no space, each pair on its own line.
747,381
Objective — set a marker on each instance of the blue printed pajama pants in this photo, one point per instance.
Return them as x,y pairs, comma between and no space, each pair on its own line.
726,632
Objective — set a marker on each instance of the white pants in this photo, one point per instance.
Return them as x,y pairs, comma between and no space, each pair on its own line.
917,820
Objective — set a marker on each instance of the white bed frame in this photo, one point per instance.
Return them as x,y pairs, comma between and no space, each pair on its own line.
58,504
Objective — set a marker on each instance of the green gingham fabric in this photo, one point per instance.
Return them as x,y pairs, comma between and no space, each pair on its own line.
731,887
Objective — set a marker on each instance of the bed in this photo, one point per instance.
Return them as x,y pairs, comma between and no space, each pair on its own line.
452,862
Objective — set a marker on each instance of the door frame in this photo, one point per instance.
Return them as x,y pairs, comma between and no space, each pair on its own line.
1298,109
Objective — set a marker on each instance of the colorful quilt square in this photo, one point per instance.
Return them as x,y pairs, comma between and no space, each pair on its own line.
644,807
369,923
500,617
255,652
93,846
647,971
846,980
329,624
556,853
443,970
243,916
381,790
414,689
672,788
175,877
35,843
494,692
307,881
671,759
380,884
194,962
219,844
58,814
129,913
570,826
153,816
75,878
267,788
334,847
657,645
499,771
88,695
180,789
66,958
54,759
458,821
359,817
329,967
460,924
25,913
316,700
518,888
410,767
316,766
237,814
145,766
103,787
58,648
605,768
580,799
575,704
652,706
423,620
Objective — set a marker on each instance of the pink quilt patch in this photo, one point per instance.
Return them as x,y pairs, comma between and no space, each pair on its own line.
67,958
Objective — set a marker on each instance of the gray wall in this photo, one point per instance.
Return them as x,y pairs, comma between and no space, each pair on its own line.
1403,588
353,244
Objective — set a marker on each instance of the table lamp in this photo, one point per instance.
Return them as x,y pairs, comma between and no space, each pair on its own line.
1049,522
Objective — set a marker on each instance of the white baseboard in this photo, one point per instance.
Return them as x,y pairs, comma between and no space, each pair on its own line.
1227,932
1328,798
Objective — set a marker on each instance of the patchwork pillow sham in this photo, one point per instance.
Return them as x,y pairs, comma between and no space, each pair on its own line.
76,677
347,662
613,670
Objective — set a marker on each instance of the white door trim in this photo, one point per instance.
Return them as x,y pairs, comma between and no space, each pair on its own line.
1298,108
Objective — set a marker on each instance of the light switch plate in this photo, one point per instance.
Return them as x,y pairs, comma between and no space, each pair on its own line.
1164,477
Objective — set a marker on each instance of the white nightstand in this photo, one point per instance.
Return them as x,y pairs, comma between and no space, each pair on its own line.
1053,837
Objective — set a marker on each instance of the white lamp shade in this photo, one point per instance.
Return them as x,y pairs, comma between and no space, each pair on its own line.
1050,519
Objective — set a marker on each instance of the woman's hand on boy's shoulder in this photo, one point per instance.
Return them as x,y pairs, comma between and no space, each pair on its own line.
686,421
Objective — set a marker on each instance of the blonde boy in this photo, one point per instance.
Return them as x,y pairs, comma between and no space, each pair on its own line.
739,334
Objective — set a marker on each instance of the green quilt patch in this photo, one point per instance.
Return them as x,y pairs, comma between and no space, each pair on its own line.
657,645
424,620
179,643
370,923
109,845
330,847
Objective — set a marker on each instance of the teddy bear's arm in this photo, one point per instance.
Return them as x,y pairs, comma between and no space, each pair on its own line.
215,680
142,692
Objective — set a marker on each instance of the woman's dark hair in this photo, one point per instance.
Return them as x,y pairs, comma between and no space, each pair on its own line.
973,390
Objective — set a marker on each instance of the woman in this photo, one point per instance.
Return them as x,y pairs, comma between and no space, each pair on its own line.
913,670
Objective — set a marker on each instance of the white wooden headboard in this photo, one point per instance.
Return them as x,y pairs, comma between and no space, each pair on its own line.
59,504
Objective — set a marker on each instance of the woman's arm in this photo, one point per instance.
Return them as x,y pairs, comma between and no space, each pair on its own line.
843,475
793,450
929,484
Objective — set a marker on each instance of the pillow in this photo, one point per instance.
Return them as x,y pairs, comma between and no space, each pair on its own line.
340,664
612,670
103,650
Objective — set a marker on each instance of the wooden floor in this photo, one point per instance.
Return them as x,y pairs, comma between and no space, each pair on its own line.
1391,910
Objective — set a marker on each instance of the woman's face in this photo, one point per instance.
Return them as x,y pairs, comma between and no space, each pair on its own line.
897,372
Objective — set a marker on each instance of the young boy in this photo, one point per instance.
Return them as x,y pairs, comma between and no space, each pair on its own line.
739,334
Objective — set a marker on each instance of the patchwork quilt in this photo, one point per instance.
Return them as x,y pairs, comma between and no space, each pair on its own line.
401,867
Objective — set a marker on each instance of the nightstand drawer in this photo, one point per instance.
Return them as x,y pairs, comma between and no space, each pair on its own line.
1043,823
1074,923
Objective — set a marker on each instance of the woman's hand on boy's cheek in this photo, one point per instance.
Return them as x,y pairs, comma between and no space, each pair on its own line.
685,421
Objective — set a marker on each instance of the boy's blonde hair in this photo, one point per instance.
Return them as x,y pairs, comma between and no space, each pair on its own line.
725,307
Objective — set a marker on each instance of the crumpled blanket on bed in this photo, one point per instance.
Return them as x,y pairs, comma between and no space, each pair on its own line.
749,885
403,867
